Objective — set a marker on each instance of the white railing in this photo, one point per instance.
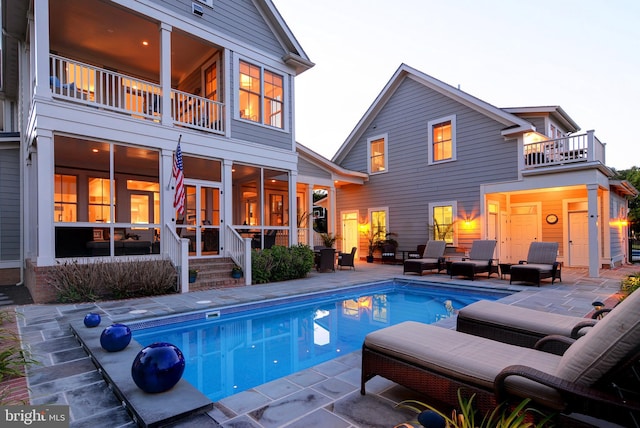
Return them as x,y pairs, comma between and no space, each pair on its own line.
177,249
239,249
196,112
566,150
98,87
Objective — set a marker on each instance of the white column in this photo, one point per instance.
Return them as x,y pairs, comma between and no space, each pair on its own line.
293,208
165,72
594,248
41,50
167,186
45,226
227,214
310,230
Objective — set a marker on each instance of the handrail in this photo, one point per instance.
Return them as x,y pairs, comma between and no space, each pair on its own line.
177,249
196,112
239,249
559,151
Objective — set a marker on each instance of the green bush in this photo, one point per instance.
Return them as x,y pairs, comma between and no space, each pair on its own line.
76,282
13,359
280,263
630,283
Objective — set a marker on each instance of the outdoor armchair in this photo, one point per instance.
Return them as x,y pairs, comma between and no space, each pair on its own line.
591,377
347,259
480,260
541,263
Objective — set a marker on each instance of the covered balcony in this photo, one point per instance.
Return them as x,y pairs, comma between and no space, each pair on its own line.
574,149
114,60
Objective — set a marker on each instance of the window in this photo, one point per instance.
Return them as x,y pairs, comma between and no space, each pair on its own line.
99,200
65,198
442,139
258,87
377,153
378,218
442,220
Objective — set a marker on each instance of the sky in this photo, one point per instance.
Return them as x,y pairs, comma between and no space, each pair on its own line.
583,55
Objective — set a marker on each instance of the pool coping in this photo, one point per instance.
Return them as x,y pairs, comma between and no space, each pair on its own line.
147,410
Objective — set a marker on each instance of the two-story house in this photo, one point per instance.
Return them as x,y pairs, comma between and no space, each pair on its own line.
96,96
443,164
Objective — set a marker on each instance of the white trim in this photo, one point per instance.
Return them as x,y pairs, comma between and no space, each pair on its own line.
384,137
430,125
454,217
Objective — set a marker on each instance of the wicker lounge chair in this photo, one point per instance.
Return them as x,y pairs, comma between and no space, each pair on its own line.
480,260
432,258
347,259
541,263
521,326
589,378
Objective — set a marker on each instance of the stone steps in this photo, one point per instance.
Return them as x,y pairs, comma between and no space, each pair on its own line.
214,273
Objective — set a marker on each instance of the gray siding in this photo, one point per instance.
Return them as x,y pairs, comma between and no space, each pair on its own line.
483,156
237,18
311,170
9,205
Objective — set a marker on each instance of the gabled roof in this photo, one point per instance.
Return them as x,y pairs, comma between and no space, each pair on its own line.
338,174
512,123
556,112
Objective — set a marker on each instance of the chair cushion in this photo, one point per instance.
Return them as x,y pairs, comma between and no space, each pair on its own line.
542,252
465,358
542,268
607,345
434,249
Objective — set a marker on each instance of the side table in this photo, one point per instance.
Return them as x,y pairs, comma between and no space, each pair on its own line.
505,269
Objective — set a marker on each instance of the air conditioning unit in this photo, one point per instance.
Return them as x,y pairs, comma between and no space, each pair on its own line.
197,9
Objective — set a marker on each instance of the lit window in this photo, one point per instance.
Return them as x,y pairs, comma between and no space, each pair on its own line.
253,92
442,139
65,198
99,200
442,216
379,223
377,154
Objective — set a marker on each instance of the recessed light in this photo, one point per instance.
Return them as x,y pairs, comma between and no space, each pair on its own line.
94,150
145,43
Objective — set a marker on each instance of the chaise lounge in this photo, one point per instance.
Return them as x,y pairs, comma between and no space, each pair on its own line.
432,258
541,263
589,378
480,260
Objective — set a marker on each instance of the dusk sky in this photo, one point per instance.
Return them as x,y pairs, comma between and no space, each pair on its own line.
583,55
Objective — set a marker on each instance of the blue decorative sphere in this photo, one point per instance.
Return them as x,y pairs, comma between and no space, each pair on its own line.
115,338
92,320
158,367
431,419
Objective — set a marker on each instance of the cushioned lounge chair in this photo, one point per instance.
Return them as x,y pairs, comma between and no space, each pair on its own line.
480,260
541,263
588,379
347,259
520,326
432,258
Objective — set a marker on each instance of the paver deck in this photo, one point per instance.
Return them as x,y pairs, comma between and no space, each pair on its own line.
326,395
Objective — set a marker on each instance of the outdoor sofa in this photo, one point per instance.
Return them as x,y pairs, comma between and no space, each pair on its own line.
589,378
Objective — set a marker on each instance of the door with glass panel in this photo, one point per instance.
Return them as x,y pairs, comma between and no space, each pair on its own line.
202,218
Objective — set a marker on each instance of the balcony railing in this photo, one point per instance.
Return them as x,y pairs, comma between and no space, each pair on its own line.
562,151
108,90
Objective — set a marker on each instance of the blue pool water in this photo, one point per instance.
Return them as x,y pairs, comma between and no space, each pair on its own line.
229,350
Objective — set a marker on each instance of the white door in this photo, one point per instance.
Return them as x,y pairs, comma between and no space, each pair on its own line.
523,231
578,239
349,231
503,244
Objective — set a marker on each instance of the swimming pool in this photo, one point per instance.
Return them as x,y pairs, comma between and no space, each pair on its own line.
232,349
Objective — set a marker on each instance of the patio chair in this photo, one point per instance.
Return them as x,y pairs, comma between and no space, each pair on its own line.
522,326
480,260
432,258
418,253
327,260
591,378
541,263
388,254
347,259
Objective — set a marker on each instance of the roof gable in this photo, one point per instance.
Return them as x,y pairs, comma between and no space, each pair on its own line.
512,123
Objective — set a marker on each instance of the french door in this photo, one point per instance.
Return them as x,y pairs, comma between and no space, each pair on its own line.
202,219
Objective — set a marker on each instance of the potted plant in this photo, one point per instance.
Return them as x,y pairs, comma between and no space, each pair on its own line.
236,271
193,275
328,239
373,238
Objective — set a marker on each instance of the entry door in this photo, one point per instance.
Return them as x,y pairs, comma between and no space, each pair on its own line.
578,238
524,230
349,231
202,218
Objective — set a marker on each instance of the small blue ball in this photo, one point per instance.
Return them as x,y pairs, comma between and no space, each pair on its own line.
92,320
431,419
158,367
115,338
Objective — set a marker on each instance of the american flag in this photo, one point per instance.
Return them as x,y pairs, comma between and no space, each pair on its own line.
178,175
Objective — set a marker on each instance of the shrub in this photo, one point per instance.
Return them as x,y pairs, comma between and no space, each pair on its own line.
280,263
76,282
630,283
13,358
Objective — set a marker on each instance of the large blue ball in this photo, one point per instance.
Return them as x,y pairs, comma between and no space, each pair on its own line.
158,367
92,319
431,419
115,338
